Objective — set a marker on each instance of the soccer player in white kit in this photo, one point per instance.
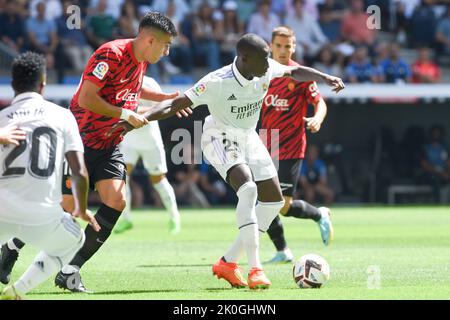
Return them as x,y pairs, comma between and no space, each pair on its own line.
234,95
31,173
147,143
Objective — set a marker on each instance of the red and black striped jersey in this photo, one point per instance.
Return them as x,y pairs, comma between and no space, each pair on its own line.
284,107
114,68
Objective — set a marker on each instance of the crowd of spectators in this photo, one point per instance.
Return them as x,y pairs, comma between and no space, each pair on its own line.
332,35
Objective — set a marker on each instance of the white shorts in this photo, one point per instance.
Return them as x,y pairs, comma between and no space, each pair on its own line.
58,238
145,143
226,148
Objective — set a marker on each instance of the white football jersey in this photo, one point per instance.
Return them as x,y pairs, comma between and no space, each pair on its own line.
232,100
147,137
31,173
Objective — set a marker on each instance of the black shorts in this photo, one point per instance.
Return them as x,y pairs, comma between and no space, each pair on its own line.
104,164
288,174
66,183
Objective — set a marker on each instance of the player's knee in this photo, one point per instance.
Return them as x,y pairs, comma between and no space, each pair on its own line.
157,178
117,203
248,191
286,206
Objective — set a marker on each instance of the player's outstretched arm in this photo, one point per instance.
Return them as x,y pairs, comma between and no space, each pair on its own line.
80,183
169,108
180,106
149,94
303,74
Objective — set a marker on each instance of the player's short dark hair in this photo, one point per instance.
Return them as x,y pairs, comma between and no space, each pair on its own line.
250,42
27,71
158,21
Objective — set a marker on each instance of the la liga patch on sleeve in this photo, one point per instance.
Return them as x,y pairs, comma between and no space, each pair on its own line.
199,89
100,70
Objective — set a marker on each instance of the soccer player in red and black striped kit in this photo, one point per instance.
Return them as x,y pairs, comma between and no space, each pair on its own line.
283,115
110,89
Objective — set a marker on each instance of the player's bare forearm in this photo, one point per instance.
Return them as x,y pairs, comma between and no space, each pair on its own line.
320,110
89,99
168,108
79,178
304,74
149,94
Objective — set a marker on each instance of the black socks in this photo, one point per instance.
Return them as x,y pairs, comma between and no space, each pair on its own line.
106,218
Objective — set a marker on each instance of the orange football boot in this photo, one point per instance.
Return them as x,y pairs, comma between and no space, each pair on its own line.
257,279
230,272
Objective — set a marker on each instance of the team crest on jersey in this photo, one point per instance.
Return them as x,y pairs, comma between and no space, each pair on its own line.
100,70
291,86
199,89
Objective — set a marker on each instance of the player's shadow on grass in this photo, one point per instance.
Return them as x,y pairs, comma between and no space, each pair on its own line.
174,265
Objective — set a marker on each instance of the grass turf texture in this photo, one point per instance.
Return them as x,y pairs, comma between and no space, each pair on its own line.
410,245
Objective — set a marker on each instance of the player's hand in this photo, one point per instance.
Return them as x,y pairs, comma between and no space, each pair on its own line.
186,112
334,82
137,120
313,124
11,135
88,217
122,126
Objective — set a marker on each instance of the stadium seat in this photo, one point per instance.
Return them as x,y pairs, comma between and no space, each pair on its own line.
407,189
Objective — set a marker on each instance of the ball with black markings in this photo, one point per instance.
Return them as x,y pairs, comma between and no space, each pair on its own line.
311,271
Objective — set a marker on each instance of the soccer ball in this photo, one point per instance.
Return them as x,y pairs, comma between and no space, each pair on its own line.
311,271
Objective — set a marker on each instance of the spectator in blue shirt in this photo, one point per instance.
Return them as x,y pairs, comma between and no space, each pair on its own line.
313,178
360,69
435,162
395,69
42,35
12,32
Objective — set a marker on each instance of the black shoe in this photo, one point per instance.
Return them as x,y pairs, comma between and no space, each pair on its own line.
8,258
71,282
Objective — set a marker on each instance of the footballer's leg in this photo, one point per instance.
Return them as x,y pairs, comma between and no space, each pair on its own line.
288,172
230,164
154,161
126,222
240,178
168,198
59,241
10,250
8,257
270,198
107,173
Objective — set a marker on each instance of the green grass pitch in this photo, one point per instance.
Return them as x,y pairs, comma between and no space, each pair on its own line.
410,246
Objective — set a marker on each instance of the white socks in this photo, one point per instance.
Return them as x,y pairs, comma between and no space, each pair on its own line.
248,237
11,245
126,213
168,198
266,212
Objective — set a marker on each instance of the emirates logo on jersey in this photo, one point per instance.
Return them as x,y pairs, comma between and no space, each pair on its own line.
126,95
272,100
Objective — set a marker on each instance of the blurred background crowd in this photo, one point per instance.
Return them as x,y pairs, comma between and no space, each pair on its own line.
391,158
412,44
